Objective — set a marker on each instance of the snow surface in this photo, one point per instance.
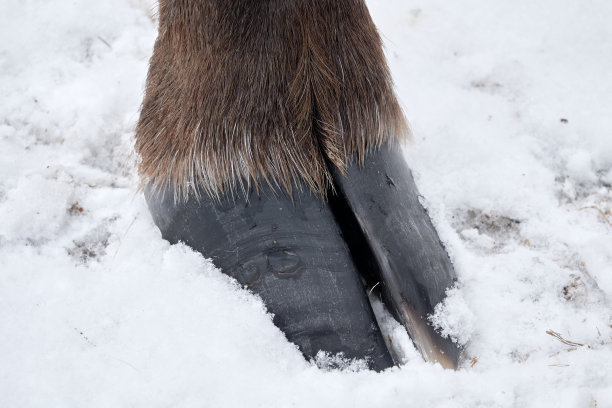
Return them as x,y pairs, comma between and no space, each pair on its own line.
511,108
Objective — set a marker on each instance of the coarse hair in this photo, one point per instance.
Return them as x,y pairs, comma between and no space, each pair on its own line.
243,92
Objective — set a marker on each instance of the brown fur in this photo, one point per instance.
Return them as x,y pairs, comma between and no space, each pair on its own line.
241,92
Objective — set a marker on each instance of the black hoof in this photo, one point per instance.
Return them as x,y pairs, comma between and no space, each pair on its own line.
399,244
309,259
292,254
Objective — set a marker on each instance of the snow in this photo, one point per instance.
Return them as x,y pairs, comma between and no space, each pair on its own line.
511,109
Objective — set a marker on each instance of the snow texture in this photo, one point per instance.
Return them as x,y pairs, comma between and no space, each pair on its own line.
511,108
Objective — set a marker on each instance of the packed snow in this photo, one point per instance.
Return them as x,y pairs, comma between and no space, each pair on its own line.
511,109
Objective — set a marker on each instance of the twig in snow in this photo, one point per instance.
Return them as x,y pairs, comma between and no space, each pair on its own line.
562,340
105,42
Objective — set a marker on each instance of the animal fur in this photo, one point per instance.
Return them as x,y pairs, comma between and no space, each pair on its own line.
241,92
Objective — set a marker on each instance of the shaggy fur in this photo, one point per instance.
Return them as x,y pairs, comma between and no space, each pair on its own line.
242,92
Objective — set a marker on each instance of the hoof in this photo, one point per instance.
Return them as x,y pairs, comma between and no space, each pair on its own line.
310,260
399,245
292,254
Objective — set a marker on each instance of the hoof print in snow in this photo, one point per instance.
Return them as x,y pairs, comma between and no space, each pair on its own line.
581,287
91,246
575,290
489,232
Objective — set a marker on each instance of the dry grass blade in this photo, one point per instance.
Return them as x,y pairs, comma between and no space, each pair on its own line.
600,211
562,340
123,237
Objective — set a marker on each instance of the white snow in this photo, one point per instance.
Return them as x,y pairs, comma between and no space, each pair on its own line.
511,109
